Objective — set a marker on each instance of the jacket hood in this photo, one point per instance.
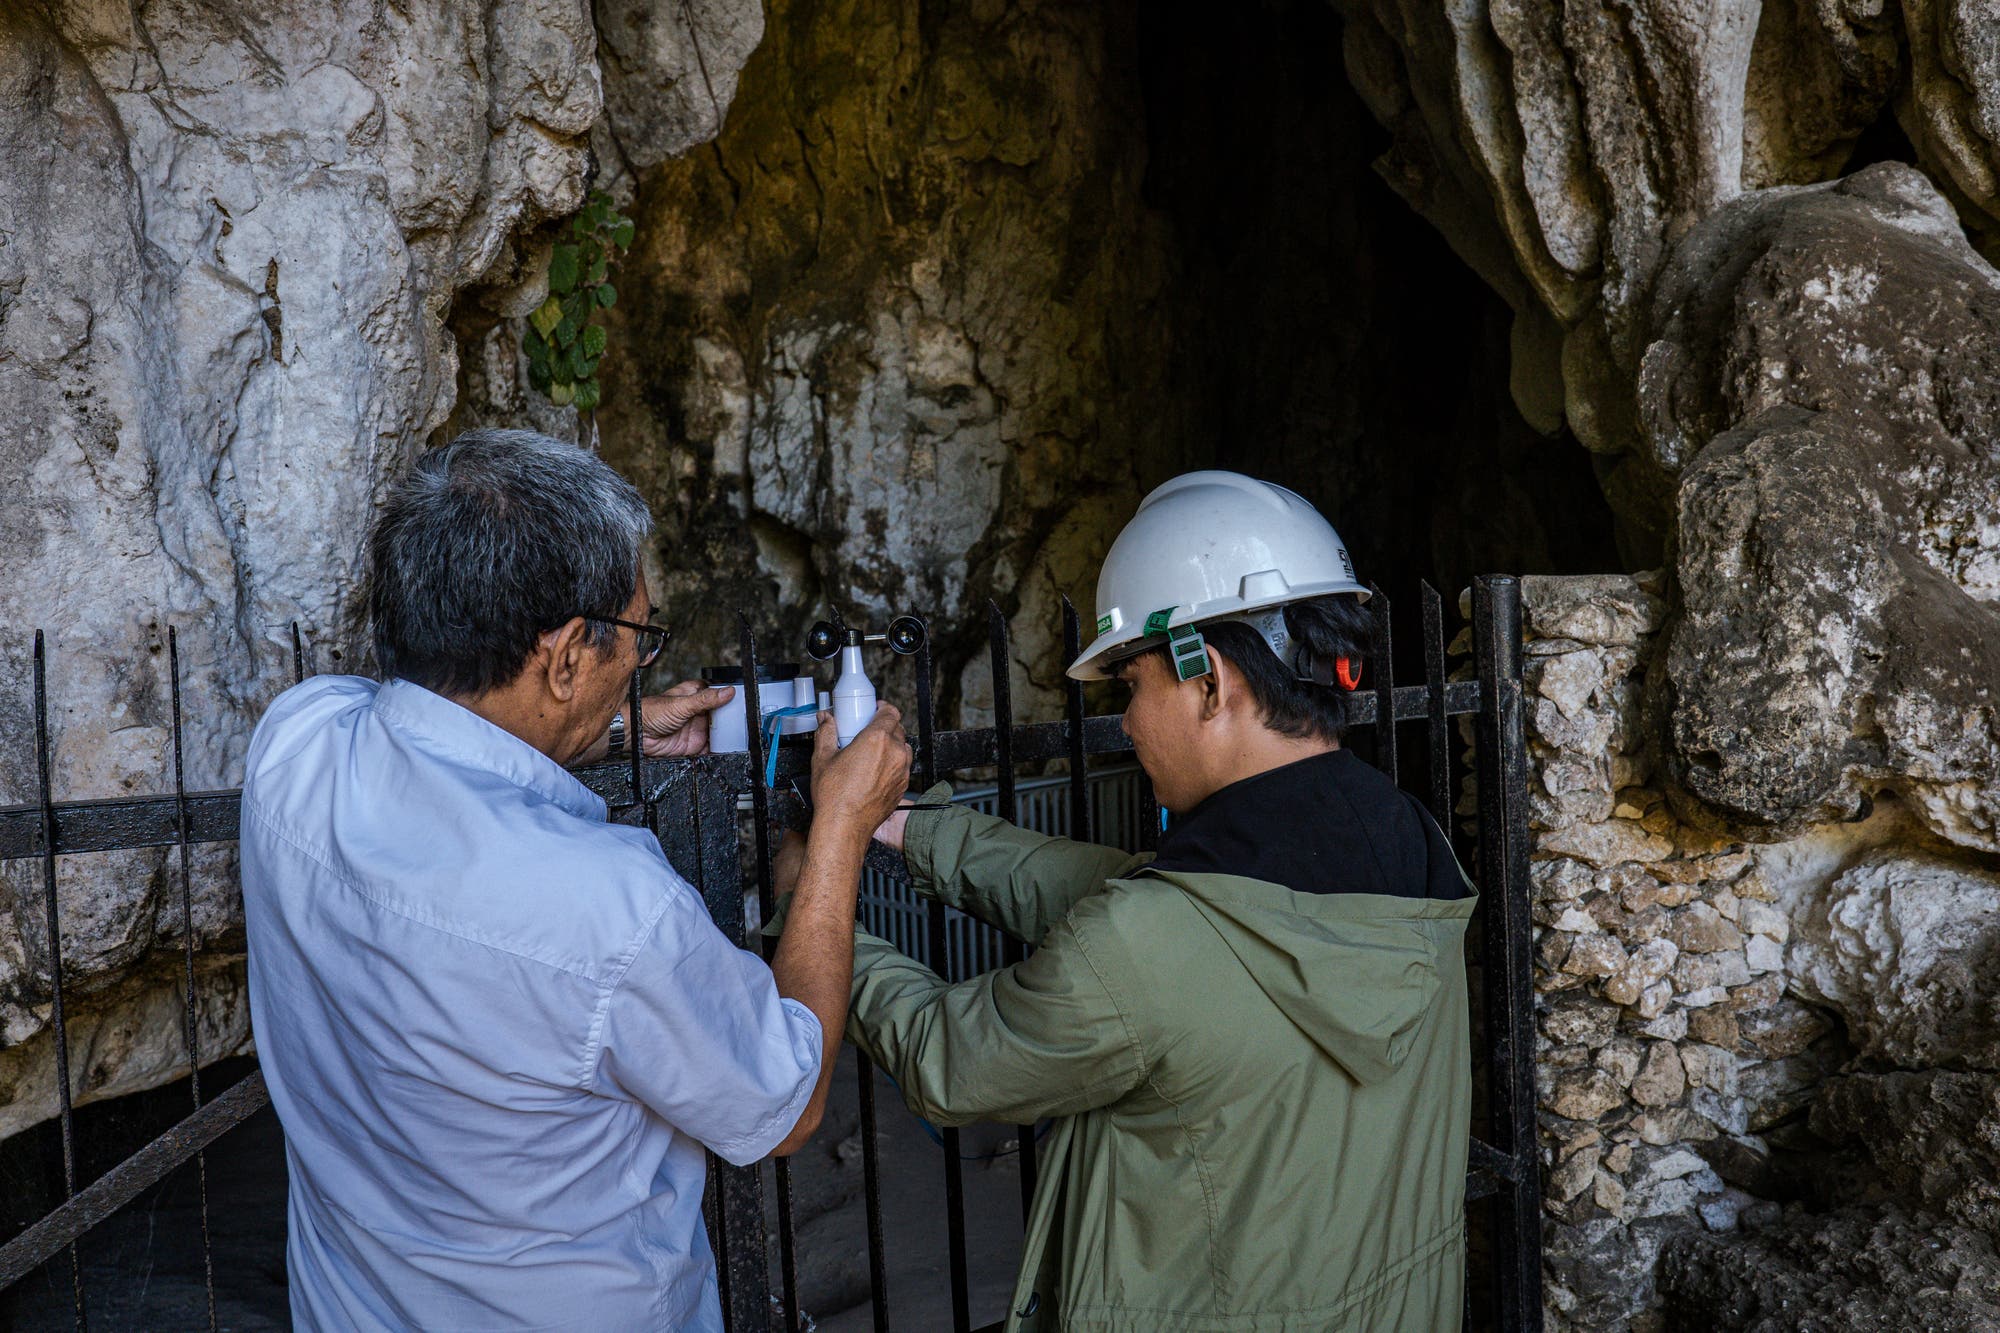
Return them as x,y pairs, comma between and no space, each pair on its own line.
1355,972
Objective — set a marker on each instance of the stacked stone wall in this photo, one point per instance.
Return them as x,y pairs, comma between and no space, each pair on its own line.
1710,1010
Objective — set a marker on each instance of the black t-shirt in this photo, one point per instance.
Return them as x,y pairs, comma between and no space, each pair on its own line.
1327,824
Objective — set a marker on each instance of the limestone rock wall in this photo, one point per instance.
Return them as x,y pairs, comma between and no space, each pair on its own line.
956,286
1780,1050
230,238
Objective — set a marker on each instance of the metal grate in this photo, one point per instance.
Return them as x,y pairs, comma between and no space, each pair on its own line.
691,806
891,907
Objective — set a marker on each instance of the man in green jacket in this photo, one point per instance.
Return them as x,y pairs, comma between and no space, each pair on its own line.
1253,1044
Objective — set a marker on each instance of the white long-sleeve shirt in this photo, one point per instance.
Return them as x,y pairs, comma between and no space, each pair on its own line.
498,1031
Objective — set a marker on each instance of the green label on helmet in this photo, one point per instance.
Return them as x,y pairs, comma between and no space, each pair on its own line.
1190,652
1157,622
1104,624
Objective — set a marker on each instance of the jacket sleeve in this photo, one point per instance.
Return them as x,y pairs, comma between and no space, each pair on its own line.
1018,882
1044,1037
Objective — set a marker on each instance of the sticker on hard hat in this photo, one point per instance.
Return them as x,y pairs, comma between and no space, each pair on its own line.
1104,624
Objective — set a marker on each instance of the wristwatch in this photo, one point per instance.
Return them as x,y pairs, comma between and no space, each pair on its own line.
617,733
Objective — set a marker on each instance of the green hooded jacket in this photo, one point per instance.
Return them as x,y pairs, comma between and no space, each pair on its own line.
1260,1096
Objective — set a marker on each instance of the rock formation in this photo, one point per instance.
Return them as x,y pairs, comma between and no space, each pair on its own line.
919,320
230,236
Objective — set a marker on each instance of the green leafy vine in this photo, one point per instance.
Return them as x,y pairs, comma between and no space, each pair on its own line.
563,343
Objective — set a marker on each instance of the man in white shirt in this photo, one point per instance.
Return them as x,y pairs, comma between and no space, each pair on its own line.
498,1030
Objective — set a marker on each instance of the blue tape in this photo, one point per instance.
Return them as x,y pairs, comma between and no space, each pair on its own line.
772,721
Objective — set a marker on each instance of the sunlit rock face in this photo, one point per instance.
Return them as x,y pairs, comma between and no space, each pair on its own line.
1823,380
230,236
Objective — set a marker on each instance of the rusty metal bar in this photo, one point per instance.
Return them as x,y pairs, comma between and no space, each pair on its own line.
126,1181
187,956
1012,950
940,961
1438,730
57,1018
1384,665
1073,729
1503,878
871,1196
743,1277
635,745
760,826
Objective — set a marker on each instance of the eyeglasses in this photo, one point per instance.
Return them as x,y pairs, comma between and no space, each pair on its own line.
652,638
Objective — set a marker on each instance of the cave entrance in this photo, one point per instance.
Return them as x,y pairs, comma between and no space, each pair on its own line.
1330,339
958,284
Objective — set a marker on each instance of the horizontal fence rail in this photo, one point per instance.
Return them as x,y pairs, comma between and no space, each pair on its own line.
694,807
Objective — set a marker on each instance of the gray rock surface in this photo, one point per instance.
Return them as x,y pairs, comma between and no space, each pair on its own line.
1907,948
1865,1270
1931,1137
230,237
1823,383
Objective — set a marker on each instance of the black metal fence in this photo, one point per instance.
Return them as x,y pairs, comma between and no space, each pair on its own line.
691,805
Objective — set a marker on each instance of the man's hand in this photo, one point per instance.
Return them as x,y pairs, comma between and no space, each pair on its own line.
676,722
890,834
853,791
858,787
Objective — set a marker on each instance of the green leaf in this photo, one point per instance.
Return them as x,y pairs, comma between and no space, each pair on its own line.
593,340
563,269
621,235
607,295
578,227
598,272
562,393
538,376
578,359
547,316
587,396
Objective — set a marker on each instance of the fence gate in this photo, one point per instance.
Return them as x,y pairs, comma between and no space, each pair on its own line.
692,806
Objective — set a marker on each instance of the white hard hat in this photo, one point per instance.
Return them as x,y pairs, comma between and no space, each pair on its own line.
1205,546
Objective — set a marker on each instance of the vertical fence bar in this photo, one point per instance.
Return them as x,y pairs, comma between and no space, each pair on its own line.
1011,950
182,839
1503,865
1438,724
743,1277
1079,758
940,959
635,747
871,1195
56,1016
1385,685
760,808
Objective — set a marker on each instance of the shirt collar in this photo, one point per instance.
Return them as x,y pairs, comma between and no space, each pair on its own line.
456,731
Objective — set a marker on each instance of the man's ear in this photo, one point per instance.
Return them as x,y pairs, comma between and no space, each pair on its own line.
1219,687
559,658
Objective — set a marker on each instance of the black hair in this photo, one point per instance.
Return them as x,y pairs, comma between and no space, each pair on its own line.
490,542
1324,630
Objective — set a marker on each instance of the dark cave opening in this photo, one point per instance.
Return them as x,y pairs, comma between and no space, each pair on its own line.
1335,343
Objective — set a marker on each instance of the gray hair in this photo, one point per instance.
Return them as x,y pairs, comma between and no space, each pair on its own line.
490,542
